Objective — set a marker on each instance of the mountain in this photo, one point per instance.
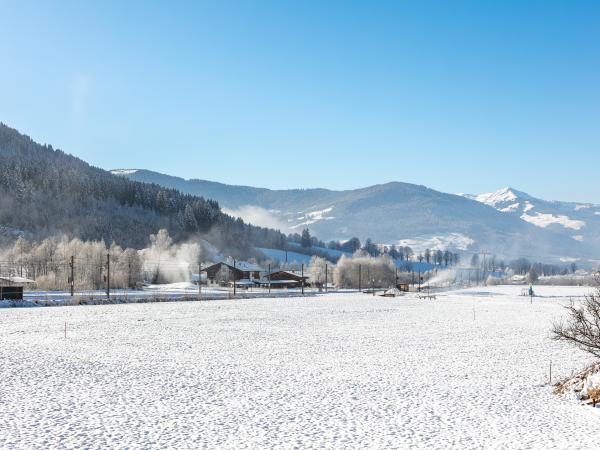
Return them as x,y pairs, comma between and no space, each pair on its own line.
45,192
579,221
388,213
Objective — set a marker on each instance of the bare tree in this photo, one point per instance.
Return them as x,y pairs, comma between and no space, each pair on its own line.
582,326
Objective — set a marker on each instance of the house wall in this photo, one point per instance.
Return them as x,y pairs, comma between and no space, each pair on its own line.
11,292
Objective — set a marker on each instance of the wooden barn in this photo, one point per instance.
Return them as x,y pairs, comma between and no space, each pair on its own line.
226,272
11,288
285,279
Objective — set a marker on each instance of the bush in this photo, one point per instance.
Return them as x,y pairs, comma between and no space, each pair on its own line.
582,327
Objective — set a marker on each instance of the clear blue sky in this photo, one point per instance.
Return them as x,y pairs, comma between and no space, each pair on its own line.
458,96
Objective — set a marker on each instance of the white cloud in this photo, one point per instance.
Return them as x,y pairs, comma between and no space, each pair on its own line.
257,216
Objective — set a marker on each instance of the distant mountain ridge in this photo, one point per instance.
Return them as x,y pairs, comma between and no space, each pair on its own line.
399,213
580,221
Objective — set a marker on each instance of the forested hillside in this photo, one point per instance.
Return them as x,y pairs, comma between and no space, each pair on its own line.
45,192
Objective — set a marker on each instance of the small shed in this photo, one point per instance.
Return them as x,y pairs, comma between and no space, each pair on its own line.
11,288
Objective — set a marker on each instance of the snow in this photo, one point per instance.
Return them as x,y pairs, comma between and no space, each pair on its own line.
543,220
456,241
16,279
528,207
280,255
510,208
243,265
312,217
493,198
295,258
468,370
124,171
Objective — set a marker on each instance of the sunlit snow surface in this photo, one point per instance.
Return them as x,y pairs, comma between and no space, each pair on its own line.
468,370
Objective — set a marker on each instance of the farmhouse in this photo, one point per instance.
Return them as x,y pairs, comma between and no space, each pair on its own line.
285,279
11,288
223,272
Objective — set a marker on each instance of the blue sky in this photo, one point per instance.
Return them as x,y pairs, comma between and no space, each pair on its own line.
458,96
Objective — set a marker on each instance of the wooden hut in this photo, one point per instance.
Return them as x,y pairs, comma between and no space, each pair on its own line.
11,288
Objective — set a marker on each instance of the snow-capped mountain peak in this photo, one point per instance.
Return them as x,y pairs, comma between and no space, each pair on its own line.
562,217
494,198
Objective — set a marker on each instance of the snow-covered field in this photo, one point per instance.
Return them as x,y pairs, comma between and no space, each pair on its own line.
154,292
468,370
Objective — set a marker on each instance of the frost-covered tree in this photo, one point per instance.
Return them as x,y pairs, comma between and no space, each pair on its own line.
377,271
316,270
532,276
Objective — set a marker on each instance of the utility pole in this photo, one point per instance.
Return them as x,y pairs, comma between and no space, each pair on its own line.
269,278
396,285
325,277
72,280
128,274
108,275
199,281
234,277
302,274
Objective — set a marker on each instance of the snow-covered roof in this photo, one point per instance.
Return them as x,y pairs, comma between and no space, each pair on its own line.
281,281
244,266
296,273
17,280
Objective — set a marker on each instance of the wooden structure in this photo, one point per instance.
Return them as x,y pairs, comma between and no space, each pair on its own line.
11,288
240,270
285,279
402,287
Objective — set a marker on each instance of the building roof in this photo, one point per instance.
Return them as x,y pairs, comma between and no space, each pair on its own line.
295,273
15,280
243,266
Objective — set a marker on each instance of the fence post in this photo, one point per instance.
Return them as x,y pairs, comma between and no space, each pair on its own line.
72,275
